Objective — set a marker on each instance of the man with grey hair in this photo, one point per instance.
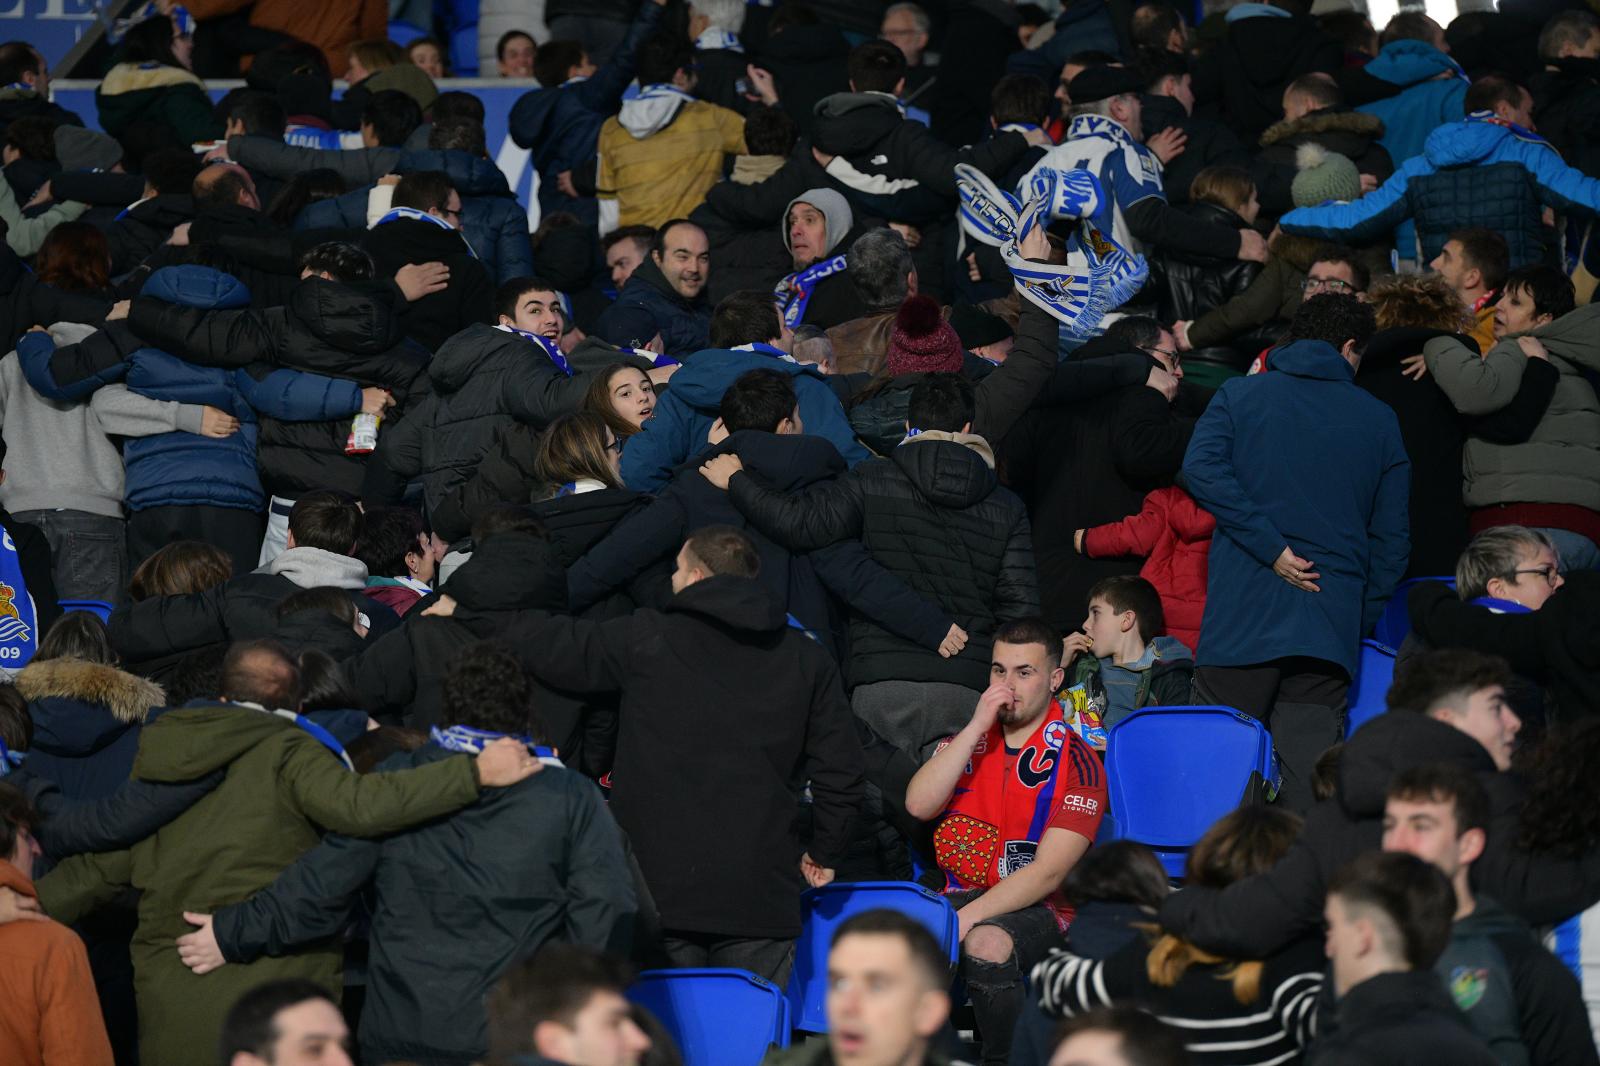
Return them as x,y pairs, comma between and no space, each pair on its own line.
817,226
714,27
1566,91
908,28
881,269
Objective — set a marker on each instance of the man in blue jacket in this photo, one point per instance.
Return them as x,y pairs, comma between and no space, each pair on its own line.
1490,169
1308,479
745,335
1431,85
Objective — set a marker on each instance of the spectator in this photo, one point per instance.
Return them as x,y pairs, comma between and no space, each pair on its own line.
1562,500
1188,286
1566,90
1431,86
1512,564
422,225
663,150
1221,1000
1455,183
166,203
1263,49
427,55
624,249
887,993
817,225
151,91
514,54
279,779
1166,106
1522,1002
560,122
378,66
881,270
1388,923
661,662
564,1005
1005,880
1126,1035
399,556
1313,113
27,87
278,1019
664,295
50,1014
1083,464
1122,659
1105,137
1174,536
719,53
551,838
1474,262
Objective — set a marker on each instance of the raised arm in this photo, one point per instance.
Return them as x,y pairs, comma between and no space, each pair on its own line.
1013,386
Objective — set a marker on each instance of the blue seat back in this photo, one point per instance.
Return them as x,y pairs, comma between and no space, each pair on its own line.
99,607
1370,689
1173,771
824,909
719,1017
403,33
463,45
1396,621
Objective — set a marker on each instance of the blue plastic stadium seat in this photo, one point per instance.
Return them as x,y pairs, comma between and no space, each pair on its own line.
98,607
1173,771
1396,621
464,51
403,33
719,1017
1370,689
824,909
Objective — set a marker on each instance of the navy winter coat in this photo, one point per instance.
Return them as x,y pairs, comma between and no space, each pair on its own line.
86,722
1303,458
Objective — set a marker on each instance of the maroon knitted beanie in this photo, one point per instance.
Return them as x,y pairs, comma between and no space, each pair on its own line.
923,341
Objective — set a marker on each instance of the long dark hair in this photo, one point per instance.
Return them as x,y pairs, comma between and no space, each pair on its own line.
303,190
77,635
150,41
1561,813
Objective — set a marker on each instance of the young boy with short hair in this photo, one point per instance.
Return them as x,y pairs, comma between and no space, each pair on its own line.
1132,663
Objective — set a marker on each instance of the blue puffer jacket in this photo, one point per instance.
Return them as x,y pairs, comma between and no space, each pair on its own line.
1423,105
1477,172
189,469
491,219
684,413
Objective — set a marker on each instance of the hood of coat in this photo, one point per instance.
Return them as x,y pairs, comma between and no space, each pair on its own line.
1468,141
510,572
197,286
951,470
1394,742
837,218
651,111
703,379
849,124
1335,128
127,697
1312,359
1299,252
736,602
312,568
190,742
464,354
134,77
782,463
346,317
1408,63
469,175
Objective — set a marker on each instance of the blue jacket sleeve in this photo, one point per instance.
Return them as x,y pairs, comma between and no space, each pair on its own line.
512,254
603,92
1389,529
296,396
1208,466
666,441
348,211
311,900
823,416
649,534
131,813
1364,220
1562,187
75,371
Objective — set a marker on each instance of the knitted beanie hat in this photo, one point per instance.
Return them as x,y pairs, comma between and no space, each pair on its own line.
923,341
1323,176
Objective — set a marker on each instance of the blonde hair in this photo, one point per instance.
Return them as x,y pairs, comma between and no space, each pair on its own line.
1419,301
1229,187
376,54
574,447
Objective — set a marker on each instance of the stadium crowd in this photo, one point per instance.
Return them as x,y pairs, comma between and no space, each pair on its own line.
414,625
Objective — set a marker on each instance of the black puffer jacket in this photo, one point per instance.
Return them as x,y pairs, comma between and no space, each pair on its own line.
1241,80
1187,285
934,515
469,296
1209,144
807,63
483,379
1400,1019
1251,919
341,331
1352,134
1566,109
145,227
25,301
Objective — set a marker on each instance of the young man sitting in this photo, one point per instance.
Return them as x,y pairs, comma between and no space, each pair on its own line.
1518,997
1019,798
1132,663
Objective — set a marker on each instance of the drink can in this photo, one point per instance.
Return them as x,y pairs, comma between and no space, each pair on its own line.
363,437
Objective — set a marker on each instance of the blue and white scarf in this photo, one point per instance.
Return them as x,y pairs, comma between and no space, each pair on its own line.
793,293
546,345
713,39
319,734
117,29
469,741
763,348
395,214
10,760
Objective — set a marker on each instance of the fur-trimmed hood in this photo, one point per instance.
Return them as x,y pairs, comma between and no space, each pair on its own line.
127,697
1324,122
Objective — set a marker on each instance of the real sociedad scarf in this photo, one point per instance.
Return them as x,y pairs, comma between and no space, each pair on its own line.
713,39
469,741
1521,132
395,214
763,348
793,293
10,760
1499,606
546,345
319,734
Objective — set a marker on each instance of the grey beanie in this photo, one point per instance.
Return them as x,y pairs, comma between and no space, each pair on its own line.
81,149
1323,176
835,211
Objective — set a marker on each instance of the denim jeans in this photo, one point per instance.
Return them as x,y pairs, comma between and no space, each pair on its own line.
1576,551
89,553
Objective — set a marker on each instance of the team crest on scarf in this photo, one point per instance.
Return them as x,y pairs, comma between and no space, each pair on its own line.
12,627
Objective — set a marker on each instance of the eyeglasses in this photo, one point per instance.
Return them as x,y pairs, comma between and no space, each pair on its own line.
613,445
1549,573
1327,284
1166,352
